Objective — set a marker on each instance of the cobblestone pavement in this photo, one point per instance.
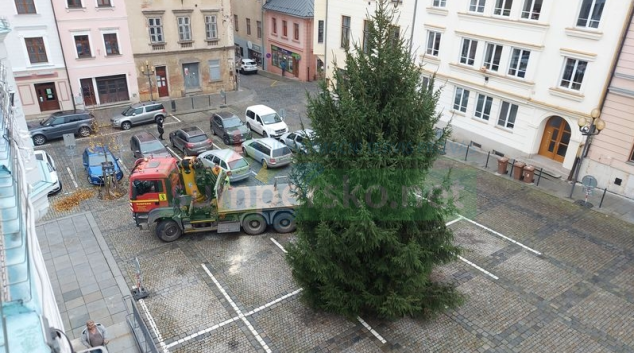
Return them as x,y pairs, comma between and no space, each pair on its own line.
540,275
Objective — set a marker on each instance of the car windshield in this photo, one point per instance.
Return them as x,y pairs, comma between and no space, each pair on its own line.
96,159
152,147
233,122
281,152
238,163
197,138
271,118
128,112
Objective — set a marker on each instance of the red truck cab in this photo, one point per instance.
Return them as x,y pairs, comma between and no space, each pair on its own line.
153,184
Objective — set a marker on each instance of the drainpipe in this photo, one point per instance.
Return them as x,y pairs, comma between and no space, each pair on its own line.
411,37
326,41
59,36
263,34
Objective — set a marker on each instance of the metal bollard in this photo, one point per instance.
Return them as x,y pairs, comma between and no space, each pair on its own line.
173,105
192,102
486,165
466,154
512,164
541,171
602,197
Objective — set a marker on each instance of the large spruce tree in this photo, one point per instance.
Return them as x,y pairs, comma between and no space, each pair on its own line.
370,231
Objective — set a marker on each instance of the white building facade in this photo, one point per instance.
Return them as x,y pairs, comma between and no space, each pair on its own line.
515,75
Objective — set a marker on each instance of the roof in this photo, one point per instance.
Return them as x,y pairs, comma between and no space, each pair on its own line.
192,130
145,136
261,109
226,115
226,154
297,8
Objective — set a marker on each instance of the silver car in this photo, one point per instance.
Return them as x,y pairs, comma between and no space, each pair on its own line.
268,151
139,113
230,161
297,140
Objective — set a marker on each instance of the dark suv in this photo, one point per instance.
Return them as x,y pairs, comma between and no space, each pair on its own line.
191,140
147,112
78,122
145,144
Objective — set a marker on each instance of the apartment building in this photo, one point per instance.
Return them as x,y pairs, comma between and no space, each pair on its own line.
611,153
248,27
36,57
516,75
182,47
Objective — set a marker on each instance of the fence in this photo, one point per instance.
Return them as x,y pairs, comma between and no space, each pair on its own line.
142,336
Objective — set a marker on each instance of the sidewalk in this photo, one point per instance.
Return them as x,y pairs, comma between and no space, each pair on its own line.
612,204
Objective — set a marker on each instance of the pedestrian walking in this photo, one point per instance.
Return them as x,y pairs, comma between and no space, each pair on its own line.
159,127
94,335
283,66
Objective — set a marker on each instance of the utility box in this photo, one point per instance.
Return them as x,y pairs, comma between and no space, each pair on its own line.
517,170
502,165
529,174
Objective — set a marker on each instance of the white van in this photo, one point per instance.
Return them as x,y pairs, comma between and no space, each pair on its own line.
265,121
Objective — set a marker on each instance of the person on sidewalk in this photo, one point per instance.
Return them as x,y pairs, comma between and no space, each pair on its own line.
283,66
94,335
159,127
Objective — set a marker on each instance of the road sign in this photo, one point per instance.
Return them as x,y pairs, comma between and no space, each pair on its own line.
589,182
69,140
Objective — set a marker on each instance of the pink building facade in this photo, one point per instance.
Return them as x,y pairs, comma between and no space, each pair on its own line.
611,153
289,39
96,45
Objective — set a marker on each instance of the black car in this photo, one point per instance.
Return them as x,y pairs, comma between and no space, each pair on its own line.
229,127
145,145
191,140
77,122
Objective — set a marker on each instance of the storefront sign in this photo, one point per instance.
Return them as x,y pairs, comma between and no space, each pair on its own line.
286,52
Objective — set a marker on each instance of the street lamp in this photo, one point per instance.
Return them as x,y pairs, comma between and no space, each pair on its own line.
148,71
588,128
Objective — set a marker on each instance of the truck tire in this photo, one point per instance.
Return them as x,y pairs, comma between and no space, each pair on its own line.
284,222
168,231
254,224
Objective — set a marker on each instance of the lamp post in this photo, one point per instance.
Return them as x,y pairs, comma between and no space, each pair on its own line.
148,71
587,128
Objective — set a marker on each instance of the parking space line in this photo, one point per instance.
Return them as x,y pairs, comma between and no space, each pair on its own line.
153,326
202,332
72,177
237,310
278,245
454,221
372,331
254,173
501,235
478,267
273,302
177,119
174,153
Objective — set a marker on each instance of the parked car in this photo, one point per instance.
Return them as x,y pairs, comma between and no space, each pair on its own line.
229,127
230,161
268,151
138,113
265,121
144,144
78,122
248,66
297,140
51,169
191,140
93,159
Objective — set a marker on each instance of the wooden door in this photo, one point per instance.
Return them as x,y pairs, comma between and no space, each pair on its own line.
47,96
161,81
555,139
88,91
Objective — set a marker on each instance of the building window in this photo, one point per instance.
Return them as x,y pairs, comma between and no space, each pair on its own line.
258,26
214,70
366,36
477,6
104,3
74,4
469,47
519,62
274,25
433,43
503,7
156,29
25,6
632,156
345,31
590,13
320,31
211,27
572,77
461,99
296,31
37,51
235,22
508,113
248,26
532,9
82,43
184,29
439,3
492,57
284,29
112,44
483,107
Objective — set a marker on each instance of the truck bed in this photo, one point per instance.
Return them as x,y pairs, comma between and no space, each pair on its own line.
260,197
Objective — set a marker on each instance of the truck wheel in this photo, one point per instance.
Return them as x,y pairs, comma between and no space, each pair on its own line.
168,231
284,223
254,224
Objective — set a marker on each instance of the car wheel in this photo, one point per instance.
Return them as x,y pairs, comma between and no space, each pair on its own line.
244,151
284,223
39,140
249,127
242,71
89,180
168,231
254,224
213,132
84,131
225,139
265,134
264,165
126,125
185,152
172,141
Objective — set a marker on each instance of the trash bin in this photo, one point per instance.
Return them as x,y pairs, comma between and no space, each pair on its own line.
517,170
502,165
529,174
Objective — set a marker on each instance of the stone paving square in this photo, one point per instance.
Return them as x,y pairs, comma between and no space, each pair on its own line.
558,337
580,253
520,226
477,242
625,280
593,224
226,339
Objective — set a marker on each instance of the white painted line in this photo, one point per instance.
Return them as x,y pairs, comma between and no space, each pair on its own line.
237,310
72,177
454,221
478,267
273,302
174,153
376,334
278,245
215,146
254,173
202,332
153,326
502,236
177,119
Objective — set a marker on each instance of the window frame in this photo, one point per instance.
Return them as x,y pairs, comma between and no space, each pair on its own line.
439,3
434,49
461,99
236,23
25,7
511,112
483,109
346,22
184,26
468,57
258,29
211,27
284,29
517,70
477,6
104,3
296,31
529,11
159,35
490,62
35,53
591,13
213,66
631,160
248,20
573,74
74,4
274,25
320,31
78,56
105,43
504,10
